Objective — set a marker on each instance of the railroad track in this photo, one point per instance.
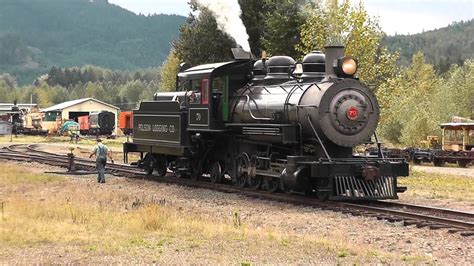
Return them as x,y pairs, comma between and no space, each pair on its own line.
406,214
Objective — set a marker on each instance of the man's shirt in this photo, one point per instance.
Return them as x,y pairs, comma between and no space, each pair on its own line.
101,151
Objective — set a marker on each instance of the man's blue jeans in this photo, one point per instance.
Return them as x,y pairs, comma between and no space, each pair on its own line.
100,172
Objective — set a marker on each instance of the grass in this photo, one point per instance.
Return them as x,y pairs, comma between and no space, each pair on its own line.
439,186
11,175
52,210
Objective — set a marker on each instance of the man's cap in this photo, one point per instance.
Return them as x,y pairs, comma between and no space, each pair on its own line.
98,140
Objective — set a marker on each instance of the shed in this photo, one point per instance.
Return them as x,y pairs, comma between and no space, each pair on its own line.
76,108
5,128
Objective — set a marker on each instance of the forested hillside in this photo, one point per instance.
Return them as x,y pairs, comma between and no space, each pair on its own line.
443,47
38,34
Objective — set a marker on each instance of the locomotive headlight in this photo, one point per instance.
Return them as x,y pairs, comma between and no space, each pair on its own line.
347,66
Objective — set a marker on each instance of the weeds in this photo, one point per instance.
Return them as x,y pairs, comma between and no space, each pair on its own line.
236,218
342,254
438,186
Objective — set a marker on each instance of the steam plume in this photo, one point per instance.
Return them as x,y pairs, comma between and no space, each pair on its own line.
227,13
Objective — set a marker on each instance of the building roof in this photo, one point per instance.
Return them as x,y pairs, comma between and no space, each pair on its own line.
455,125
64,105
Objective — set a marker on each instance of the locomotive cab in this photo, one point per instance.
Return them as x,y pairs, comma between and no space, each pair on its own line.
208,89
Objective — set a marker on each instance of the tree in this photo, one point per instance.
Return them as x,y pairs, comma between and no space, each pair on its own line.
406,104
351,26
253,17
455,93
282,27
9,80
169,70
201,41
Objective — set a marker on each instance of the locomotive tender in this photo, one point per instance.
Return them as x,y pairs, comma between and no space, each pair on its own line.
269,124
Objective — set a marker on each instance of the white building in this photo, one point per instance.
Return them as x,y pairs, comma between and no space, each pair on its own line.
76,108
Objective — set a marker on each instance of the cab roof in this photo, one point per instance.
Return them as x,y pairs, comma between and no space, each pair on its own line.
216,69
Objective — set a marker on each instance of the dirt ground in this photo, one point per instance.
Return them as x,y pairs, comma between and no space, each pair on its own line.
212,227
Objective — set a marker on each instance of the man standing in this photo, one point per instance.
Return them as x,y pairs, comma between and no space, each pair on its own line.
101,152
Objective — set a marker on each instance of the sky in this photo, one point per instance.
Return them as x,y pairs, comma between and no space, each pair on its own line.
395,16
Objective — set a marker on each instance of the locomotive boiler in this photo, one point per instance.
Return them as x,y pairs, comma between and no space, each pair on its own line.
272,124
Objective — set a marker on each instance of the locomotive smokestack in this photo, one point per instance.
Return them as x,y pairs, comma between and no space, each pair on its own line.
333,52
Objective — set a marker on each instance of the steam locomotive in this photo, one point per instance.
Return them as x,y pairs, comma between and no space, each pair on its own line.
271,124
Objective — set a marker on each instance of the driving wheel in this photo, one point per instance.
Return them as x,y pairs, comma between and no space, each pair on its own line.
215,172
241,170
254,181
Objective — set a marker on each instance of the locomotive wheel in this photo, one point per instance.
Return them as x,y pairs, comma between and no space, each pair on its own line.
215,172
241,170
160,165
148,163
272,184
196,170
438,162
254,181
154,162
285,189
463,163
416,161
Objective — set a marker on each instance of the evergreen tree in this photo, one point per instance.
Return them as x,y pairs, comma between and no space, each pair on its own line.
282,27
253,17
201,41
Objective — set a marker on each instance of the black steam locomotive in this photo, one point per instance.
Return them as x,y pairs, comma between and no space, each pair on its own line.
273,124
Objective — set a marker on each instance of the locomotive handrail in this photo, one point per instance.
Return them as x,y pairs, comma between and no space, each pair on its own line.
319,139
256,106
283,88
288,97
247,102
304,106
379,146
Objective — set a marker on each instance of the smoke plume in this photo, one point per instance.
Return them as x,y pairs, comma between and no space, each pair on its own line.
227,13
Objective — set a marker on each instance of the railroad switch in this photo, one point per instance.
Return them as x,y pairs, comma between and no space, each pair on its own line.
71,164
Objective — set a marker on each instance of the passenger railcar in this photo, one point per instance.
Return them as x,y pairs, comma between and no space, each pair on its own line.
273,124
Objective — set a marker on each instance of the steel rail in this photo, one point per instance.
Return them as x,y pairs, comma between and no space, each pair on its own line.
412,215
444,211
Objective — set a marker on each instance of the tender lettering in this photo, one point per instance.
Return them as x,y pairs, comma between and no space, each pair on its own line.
160,128
144,127
156,128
